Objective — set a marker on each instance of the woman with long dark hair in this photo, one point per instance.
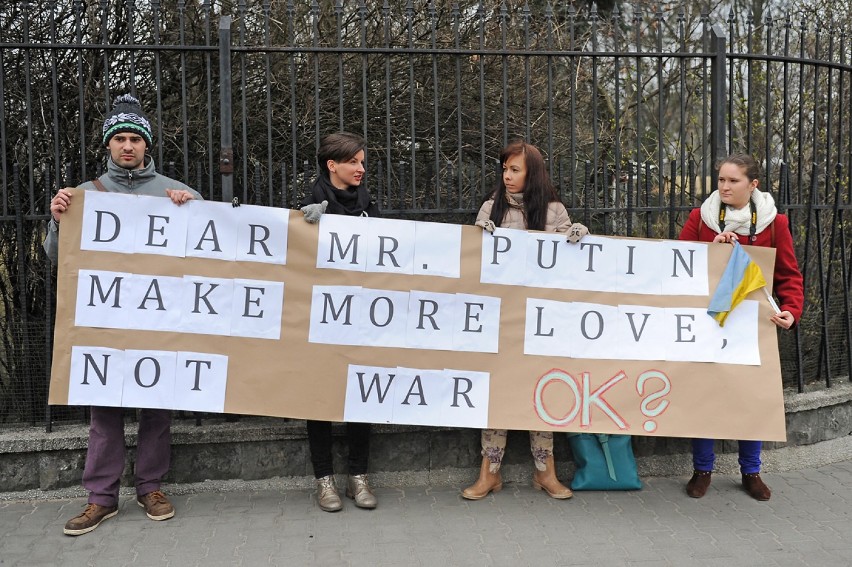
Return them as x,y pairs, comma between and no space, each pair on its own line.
524,199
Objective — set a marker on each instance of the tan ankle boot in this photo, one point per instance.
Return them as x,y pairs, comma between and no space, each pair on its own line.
546,480
486,483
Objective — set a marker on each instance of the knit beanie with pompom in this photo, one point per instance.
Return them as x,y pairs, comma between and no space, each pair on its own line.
127,116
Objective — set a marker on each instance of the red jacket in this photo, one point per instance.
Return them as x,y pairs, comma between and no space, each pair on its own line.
787,279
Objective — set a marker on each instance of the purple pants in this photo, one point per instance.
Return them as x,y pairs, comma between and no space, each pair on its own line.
105,456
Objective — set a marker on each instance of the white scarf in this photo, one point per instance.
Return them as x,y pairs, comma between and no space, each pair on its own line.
739,220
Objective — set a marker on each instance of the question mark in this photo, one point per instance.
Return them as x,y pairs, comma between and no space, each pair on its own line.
651,425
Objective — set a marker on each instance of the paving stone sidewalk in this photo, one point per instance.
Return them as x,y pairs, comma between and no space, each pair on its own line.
808,521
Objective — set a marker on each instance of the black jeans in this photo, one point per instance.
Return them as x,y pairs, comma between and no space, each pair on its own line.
319,440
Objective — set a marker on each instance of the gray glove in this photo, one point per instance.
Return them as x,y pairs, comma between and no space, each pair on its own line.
577,232
314,211
487,224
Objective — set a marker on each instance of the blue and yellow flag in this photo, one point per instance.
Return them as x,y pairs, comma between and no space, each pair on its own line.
741,277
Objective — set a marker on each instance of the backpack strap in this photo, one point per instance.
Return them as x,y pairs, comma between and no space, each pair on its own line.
100,187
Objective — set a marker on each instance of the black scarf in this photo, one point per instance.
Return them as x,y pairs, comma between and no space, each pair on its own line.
352,201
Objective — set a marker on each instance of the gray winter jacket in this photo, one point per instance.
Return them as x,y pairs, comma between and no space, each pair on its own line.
145,181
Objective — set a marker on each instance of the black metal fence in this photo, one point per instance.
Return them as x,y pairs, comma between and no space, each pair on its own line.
630,106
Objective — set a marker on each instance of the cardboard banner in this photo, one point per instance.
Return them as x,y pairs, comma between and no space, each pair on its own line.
252,310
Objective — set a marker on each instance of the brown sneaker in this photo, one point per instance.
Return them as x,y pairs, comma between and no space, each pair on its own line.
89,519
157,506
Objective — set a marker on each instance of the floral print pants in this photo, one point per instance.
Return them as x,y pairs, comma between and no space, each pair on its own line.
494,447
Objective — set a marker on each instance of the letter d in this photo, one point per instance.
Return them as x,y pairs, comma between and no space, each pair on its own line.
116,227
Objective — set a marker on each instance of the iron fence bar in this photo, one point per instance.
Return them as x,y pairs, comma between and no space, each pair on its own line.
829,123
767,141
385,186
527,121
785,81
183,94
155,9
436,133
572,75
593,19
801,139
54,86
29,113
291,37
835,217
244,174
646,184
4,166
729,103
268,74
131,39
660,112
480,13
548,18
459,137
21,268
47,274
616,18
749,130
637,24
208,76
362,26
705,104
717,100
409,13
504,78
104,11
338,16
226,147
812,217
314,14
672,199
682,88
78,30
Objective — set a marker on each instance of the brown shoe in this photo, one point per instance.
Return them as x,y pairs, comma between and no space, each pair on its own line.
546,480
486,483
157,506
755,487
89,519
698,484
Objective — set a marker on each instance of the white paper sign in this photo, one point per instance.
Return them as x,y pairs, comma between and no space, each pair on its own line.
96,376
200,381
437,249
149,379
256,309
261,234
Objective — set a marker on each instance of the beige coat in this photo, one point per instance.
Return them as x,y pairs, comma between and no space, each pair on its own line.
557,216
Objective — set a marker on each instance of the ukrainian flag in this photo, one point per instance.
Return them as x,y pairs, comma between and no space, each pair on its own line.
741,277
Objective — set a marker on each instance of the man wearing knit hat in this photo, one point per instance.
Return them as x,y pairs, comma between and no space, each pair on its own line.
127,136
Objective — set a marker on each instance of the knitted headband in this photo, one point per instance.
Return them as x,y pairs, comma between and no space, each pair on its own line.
127,116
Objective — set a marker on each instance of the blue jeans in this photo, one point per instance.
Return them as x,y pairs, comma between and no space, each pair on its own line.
703,456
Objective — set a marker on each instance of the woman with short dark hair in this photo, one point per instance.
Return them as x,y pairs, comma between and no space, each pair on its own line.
339,190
